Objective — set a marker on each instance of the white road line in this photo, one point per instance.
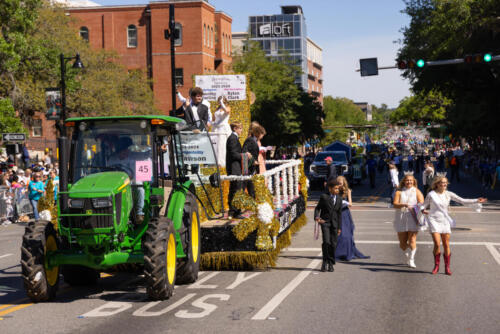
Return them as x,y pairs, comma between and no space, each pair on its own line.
5,255
280,296
390,242
494,252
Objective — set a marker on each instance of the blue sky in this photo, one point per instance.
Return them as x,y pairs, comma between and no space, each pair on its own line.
347,30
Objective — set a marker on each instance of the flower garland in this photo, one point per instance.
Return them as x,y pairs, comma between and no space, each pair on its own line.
263,219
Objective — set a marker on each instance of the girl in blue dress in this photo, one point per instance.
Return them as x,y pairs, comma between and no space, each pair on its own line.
346,248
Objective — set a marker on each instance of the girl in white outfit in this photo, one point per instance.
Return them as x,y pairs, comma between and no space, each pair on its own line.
440,222
406,197
220,126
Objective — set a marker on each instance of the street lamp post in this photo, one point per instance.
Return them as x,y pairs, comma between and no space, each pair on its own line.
62,141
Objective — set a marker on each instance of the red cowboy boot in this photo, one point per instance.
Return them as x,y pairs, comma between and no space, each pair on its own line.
437,260
447,264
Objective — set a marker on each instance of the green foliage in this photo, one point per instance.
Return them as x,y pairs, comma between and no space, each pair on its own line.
103,87
9,123
444,29
338,113
425,106
280,106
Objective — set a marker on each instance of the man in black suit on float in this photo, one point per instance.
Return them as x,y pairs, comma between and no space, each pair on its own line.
251,146
233,165
195,113
328,213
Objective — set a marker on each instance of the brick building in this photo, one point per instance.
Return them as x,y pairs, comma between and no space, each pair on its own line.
136,33
315,70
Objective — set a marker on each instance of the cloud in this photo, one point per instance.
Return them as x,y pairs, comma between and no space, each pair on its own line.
341,59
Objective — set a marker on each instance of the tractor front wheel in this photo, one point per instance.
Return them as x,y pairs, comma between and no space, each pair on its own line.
40,280
190,265
160,257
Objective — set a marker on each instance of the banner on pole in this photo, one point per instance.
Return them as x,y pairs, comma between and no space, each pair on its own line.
53,102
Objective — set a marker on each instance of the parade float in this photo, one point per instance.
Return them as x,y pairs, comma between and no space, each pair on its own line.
270,219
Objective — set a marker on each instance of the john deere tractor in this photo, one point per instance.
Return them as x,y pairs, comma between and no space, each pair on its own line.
127,196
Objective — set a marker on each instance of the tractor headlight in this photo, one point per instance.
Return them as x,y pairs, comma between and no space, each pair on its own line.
101,203
76,203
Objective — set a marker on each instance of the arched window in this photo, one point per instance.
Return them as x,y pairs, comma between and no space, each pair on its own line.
204,35
131,36
229,44
224,43
84,33
213,38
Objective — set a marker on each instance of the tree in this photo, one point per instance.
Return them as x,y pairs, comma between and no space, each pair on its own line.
442,29
9,122
429,106
338,113
280,105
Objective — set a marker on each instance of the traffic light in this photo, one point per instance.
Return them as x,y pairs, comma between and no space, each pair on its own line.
404,64
478,58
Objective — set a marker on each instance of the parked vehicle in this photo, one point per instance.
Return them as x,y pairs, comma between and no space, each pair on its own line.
318,169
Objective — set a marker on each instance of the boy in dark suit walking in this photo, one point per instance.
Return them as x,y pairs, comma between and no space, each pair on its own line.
328,213
233,165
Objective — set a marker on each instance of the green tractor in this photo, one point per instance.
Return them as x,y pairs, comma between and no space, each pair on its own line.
127,196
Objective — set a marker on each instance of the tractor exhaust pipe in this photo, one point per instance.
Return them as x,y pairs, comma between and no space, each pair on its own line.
62,142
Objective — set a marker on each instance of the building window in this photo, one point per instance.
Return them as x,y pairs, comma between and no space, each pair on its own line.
213,38
37,128
179,77
204,35
223,43
229,45
178,30
131,36
84,33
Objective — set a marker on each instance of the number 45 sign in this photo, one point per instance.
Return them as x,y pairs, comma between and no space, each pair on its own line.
143,170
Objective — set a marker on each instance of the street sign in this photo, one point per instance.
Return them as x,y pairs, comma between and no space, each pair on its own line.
13,137
368,66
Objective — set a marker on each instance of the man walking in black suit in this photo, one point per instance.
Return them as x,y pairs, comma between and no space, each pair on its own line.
195,113
233,165
328,213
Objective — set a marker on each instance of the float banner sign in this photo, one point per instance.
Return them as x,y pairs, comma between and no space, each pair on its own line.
197,148
233,86
53,102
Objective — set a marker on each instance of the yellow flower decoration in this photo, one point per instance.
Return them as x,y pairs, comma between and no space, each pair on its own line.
262,219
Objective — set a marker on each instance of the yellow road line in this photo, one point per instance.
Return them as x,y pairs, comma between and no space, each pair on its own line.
15,308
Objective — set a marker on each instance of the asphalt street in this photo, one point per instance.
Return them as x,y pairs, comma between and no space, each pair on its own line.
376,295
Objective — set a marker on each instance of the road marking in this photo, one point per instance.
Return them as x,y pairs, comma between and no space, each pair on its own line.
198,284
15,308
5,255
490,245
278,298
494,252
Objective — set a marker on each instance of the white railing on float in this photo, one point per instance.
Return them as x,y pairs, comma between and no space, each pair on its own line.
282,180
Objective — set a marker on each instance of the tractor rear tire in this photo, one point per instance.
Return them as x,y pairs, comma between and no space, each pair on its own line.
160,258
76,275
190,265
40,281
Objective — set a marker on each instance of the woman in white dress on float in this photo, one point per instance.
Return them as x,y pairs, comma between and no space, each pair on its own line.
220,126
407,196
440,222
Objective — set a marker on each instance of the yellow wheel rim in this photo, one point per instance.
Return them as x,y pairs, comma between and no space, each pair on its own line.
171,259
53,273
195,239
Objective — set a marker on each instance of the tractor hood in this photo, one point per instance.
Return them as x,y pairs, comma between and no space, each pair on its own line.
99,184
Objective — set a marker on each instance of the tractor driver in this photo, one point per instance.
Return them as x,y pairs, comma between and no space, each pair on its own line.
126,160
